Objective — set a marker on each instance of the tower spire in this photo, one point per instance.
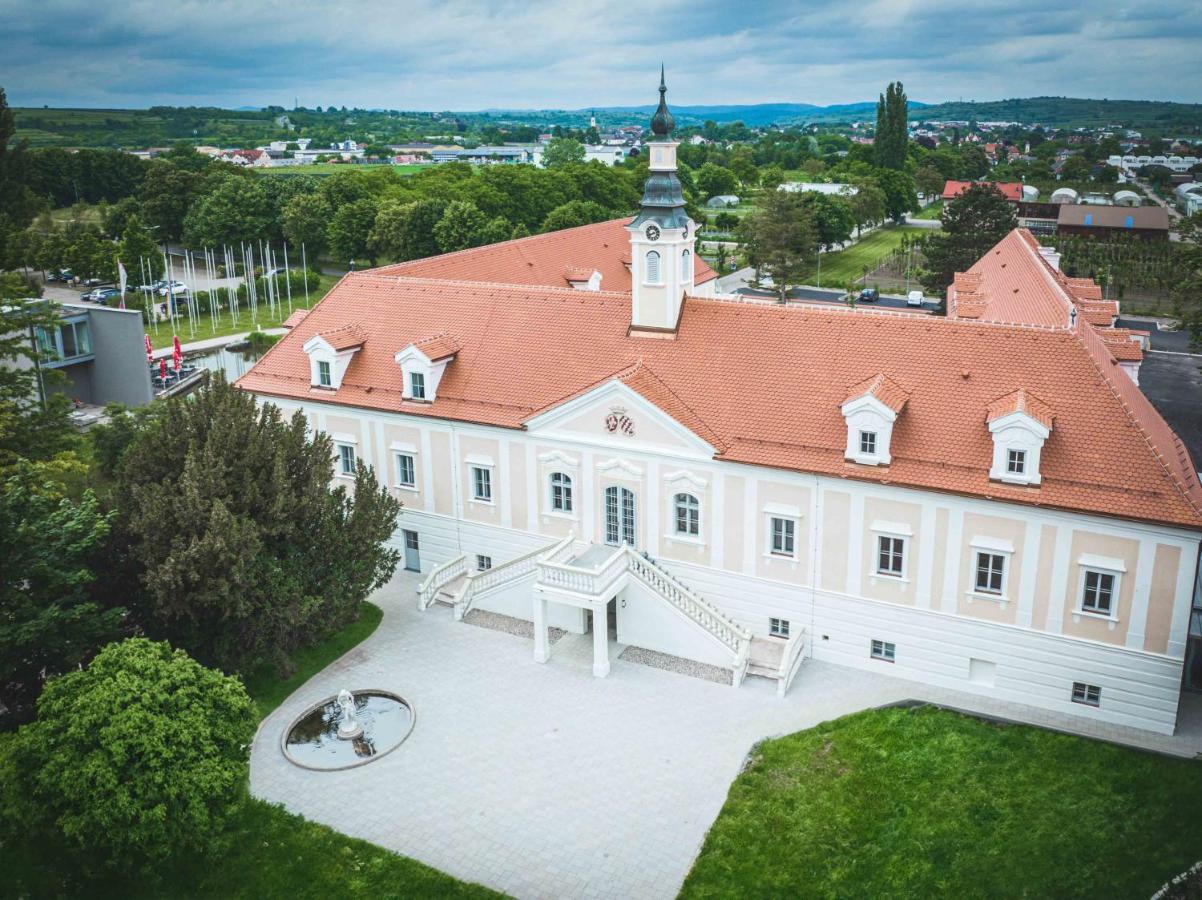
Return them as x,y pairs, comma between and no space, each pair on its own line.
662,122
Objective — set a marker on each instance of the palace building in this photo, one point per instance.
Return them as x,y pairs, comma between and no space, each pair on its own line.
588,436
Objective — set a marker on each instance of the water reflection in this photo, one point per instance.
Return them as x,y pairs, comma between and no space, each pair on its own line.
313,739
233,363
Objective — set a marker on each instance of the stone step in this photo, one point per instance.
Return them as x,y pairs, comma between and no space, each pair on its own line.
763,671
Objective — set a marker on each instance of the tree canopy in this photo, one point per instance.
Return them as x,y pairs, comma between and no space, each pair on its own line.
972,223
781,238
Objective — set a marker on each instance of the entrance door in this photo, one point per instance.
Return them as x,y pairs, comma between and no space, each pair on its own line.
413,559
619,516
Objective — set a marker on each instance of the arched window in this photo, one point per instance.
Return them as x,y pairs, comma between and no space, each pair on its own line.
561,492
686,266
652,275
688,515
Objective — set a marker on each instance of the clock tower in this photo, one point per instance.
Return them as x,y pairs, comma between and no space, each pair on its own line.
661,235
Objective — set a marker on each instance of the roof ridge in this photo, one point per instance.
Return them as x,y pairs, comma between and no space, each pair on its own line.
494,285
712,437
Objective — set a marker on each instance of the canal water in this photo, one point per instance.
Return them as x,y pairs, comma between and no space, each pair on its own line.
233,363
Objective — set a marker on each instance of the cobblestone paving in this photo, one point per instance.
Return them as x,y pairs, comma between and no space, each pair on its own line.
543,781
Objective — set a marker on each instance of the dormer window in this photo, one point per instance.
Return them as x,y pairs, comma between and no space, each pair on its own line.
871,408
330,354
1020,424
422,366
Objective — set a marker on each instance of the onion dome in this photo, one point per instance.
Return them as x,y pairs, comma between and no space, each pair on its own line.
662,122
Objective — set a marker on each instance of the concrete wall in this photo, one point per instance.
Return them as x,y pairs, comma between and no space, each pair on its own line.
118,373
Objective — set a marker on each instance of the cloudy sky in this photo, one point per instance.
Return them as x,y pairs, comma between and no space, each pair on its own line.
474,54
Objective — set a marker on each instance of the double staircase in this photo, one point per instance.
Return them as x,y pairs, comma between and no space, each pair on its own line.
591,573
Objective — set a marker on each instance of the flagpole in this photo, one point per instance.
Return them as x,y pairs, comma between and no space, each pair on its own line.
288,276
305,269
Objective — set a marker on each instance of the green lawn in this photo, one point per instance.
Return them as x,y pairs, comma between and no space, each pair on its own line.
161,333
930,803
842,266
930,211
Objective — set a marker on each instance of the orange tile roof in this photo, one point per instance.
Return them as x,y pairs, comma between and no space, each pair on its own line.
440,346
883,389
1020,402
1011,190
344,337
295,318
554,259
526,348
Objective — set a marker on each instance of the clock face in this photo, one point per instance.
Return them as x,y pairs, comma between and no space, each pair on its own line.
652,233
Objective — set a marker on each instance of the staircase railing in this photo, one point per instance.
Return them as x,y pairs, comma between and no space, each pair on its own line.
690,603
440,577
500,575
790,661
589,581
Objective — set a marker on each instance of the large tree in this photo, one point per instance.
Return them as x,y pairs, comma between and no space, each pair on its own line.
138,757
714,180
578,212
305,219
562,151
166,194
462,225
34,420
900,195
236,210
780,239
832,218
48,624
349,231
892,128
867,204
17,202
972,223
138,251
240,548
406,230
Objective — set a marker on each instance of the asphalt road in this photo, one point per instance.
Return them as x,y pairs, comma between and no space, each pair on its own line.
1168,341
1173,382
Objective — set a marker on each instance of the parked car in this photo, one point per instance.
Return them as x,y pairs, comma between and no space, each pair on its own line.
96,291
869,295
914,298
176,287
103,295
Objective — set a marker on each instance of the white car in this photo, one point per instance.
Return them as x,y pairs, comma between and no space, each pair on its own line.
914,298
176,287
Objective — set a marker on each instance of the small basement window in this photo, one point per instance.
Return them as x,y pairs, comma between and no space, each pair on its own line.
483,562
1087,694
778,627
883,650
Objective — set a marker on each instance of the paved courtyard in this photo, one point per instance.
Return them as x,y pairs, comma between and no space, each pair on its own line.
543,781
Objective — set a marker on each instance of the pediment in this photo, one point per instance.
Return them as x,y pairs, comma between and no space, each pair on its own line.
615,416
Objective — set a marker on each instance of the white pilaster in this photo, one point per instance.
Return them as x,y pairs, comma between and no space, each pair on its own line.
651,503
951,563
427,464
505,474
1137,629
1059,585
1030,573
533,486
1183,600
926,557
855,545
751,516
588,497
542,644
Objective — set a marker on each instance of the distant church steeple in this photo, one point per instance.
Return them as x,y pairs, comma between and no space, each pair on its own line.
661,235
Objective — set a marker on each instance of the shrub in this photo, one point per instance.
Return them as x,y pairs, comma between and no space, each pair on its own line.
139,756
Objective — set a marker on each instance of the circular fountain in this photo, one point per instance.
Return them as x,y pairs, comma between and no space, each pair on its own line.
348,730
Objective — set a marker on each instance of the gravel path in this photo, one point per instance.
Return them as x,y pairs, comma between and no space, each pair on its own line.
676,664
508,624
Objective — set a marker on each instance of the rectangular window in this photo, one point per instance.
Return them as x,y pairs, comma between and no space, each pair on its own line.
783,536
991,573
83,338
68,339
404,470
481,484
890,555
1098,596
324,378
417,385
346,459
778,627
868,442
1016,462
483,562
883,650
1087,694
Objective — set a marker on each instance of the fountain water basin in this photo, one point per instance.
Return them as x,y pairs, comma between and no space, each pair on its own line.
348,730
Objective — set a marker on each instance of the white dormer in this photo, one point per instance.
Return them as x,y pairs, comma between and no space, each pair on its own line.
1019,423
583,278
330,354
422,366
871,408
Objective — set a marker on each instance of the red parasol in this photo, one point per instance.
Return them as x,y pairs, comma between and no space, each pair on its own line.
149,350
177,354
163,369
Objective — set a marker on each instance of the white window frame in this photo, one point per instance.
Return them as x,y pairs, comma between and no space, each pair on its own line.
884,651
341,458
325,373
867,442
1085,694
993,547
993,555
1100,565
400,470
417,386
475,471
565,485
1016,461
896,550
691,515
788,536
483,562
778,628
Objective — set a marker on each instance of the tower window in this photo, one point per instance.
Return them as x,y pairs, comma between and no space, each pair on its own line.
652,276
686,266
